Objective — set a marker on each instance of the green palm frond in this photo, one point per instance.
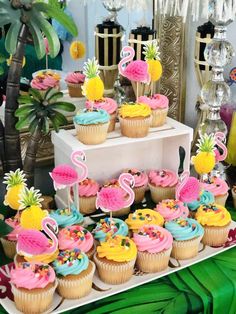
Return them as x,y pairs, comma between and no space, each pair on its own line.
30,197
14,178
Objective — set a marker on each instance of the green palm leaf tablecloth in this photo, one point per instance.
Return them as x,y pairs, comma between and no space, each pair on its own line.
207,287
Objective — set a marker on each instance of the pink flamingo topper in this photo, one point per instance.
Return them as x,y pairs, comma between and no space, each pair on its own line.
33,242
63,176
188,188
136,70
111,199
220,139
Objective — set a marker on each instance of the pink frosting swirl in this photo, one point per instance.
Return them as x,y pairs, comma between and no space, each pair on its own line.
106,103
216,186
156,101
32,276
172,209
140,177
75,78
153,239
14,223
88,187
75,237
163,178
45,80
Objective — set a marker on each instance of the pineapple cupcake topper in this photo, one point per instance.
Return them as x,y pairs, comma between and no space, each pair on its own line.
93,87
30,197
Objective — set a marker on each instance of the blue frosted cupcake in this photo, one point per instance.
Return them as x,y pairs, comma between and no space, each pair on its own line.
187,234
65,218
107,227
75,274
205,198
92,126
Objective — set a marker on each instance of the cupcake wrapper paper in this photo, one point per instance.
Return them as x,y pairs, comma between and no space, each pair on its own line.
139,194
92,134
153,262
215,236
87,204
159,193
135,128
9,248
75,90
159,117
185,249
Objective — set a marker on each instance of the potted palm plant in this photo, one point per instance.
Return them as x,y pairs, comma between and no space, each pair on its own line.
25,17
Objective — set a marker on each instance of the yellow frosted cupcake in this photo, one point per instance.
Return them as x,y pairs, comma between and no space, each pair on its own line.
216,221
143,217
115,259
135,119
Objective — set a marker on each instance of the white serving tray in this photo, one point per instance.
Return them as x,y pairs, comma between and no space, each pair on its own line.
101,290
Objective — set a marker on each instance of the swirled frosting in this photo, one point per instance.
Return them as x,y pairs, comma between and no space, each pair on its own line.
118,249
70,262
143,217
73,237
216,186
205,198
42,258
94,116
156,101
75,78
172,209
106,103
65,218
140,177
44,80
14,223
213,215
133,110
152,239
107,228
184,229
88,187
163,178
32,275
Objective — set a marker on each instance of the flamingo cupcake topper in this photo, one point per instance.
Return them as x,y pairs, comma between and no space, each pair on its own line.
188,188
220,139
111,199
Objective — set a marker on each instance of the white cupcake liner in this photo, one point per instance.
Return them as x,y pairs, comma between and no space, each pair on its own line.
159,193
135,127
159,117
112,123
87,205
215,236
9,247
153,262
139,193
121,212
92,134
185,249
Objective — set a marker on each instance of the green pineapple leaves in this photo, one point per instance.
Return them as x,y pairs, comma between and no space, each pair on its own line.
37,110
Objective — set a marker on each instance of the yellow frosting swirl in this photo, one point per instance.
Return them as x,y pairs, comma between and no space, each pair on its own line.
134,110
118,249
143,217
43,258
213,215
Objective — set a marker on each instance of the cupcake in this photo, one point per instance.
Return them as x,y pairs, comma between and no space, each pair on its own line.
115,259
234,195
10,240
74,82
162,184
159,105
135,119
88,189
216,221
92,126
140,183
172,209
65,217
143,217
45,80
74,273
187,234
154,246
108,227
218,187
107,104
76,237
205,198
33,287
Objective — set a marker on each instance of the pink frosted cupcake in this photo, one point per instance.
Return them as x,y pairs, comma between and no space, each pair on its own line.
140,183
88,189
162,184
76,237
107,104
154,246
74,81
44,80
218,187
159,105
9,241
33,287
172,209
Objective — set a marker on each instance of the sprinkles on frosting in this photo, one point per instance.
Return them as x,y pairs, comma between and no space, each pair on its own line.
75,233
210,208
40,271
107,226
69,257
151,233
140,216
170,204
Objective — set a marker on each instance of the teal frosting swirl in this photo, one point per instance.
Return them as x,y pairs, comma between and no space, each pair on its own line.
64,219
206,198
71,265
87,117
119,228
184,229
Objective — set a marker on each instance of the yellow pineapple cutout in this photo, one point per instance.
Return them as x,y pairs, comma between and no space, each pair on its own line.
204,161
32,215
93,87
15,181
152,57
